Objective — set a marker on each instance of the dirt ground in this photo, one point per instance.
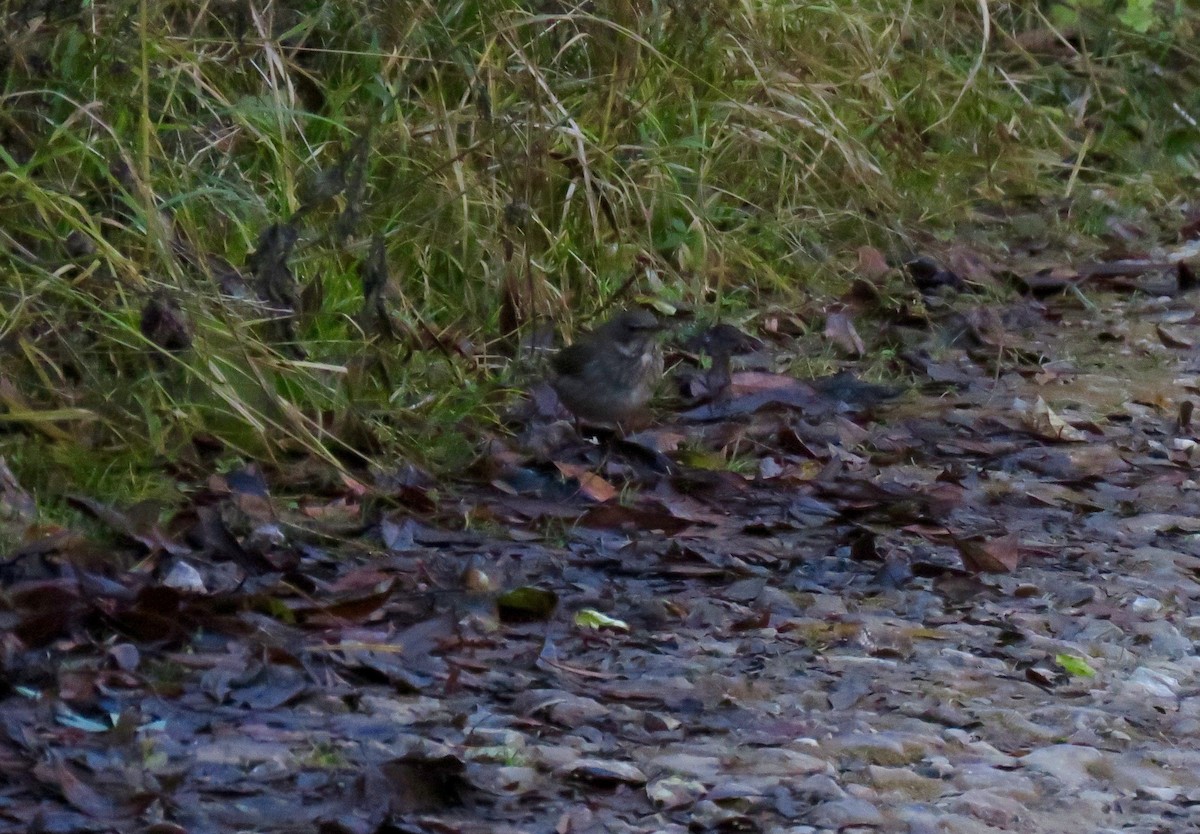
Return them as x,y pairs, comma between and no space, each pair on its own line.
965,600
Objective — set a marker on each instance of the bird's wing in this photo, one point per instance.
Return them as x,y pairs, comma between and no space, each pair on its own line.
570,360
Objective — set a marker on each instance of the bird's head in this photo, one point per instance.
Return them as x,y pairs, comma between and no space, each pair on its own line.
631,327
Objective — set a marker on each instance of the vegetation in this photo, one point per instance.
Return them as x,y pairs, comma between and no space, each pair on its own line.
194,197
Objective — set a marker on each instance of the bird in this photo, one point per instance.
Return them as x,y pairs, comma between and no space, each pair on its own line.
609,375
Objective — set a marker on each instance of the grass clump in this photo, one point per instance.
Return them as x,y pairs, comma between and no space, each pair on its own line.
194,198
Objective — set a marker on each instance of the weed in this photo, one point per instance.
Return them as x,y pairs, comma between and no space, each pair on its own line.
516,164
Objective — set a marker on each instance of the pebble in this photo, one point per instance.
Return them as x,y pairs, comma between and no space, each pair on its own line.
992,808
841,814
1152,682
1067,763
1144,606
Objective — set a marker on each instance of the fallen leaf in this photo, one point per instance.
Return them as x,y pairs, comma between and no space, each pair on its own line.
872,265
590,484
591,618
1173,340
418,782
839,330
999,555
526,604
605,773
1044,422
1076,666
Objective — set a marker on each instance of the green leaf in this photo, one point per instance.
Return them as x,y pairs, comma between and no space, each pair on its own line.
591,618
1075,666
1063,16
1139,15
1181,141
526,604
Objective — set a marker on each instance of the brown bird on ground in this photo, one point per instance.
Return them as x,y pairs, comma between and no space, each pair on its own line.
609,376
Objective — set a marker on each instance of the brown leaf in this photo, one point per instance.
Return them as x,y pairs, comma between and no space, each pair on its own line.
872,265
590,484
355,607
1172,340
615,516
1048,40
84,797
999,555
419,782
1044,422
16,504
165,324
970,264
839,329
1047,282
526,604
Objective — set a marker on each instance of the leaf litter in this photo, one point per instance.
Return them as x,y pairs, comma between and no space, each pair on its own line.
770,609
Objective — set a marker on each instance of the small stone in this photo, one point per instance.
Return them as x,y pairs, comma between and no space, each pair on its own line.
184,577
921,819
1077,594
605,772
814,700
865,792
1190,707
778,760
1185,728
674,792
1166,640
936,767
1065,762
826,607
777,601
877,748
686,764
1145,606
495,737
1012,783
513,780
1095,803
844,813
1098,631
553,756
819,788
743,790
993,809
1153,683
660,723
1161,794
573,711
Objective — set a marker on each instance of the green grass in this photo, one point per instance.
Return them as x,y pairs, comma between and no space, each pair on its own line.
519,161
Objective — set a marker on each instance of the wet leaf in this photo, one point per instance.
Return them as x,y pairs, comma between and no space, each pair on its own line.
1042,420
650,519
674,792
606,773
998,555
839,330
418,783
591,618
165,325
1173,340
86,798
872,265
590,484
1075,666
526,604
